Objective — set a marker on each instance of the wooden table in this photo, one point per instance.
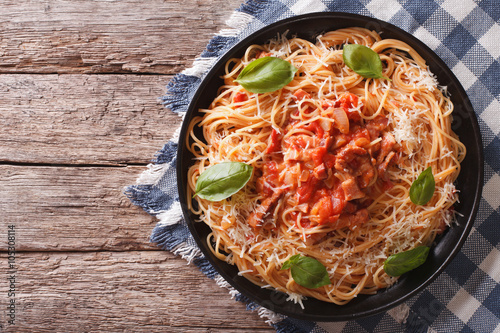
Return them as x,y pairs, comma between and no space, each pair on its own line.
80,119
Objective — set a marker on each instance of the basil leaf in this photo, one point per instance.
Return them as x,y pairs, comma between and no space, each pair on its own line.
266,74
307,272
222,180
400,263
422,189
363,60
293,260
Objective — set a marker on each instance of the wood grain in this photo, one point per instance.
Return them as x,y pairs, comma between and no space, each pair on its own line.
75,131
119,292
102,36
72,209
83,119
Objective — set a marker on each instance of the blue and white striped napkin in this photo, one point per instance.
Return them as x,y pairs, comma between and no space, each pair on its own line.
466,35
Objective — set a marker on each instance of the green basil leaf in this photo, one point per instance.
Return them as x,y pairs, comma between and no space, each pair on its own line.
266,74
293,260
222,180
422,189
400,263
307,272
363,60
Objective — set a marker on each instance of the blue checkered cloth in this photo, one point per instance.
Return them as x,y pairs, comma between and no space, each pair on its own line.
466,35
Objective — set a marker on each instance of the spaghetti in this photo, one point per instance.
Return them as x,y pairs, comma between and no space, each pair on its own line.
334,156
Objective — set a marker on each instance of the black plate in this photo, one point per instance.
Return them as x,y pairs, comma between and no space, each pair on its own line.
469,182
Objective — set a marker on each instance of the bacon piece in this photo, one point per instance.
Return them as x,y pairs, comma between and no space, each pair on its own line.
356,161
360,137
366,171
374,149
387,144
340,140
350,208
349,152
346,155
358,218
312,239
376,125
353,220
352,190
382,167
320,172
258,217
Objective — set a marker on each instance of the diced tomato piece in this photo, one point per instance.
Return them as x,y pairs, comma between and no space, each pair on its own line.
306,190
349,101
329,160
338,200
297,141
324,210
325,104
262,54
304,223
300,94
321,193
346,101
316,128
317,155
274,142
240,97
269,179
271,169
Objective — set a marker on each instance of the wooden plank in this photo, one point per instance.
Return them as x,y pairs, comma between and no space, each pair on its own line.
102,36
83,119
72,209
148,291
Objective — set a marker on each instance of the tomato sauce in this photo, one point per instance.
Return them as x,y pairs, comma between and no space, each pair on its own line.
325,172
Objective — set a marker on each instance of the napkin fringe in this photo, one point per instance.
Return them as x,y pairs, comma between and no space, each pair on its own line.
200,66
163,237
187,252
144,192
